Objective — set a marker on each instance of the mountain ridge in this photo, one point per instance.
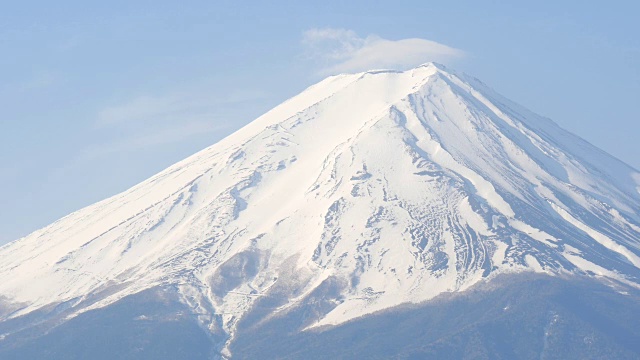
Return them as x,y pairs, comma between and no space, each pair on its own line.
389,187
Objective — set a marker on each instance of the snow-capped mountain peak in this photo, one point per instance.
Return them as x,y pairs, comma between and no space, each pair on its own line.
383,188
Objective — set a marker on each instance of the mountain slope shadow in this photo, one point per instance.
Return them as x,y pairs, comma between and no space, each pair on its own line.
513,317
147,325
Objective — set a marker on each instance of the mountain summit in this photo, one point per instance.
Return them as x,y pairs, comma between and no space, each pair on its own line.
364,192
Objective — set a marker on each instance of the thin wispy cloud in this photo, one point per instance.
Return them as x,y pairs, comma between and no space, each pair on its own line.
38,81
148,121
341,50
169,107
164,136
145,108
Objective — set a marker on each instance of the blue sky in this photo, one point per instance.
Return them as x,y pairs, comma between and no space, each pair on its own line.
97,96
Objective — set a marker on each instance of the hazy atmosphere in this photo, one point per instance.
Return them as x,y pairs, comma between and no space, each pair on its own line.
360,180
95,98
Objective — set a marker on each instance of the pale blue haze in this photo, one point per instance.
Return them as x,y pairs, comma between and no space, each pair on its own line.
97,97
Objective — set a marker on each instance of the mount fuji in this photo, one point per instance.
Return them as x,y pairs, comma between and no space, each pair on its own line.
366,202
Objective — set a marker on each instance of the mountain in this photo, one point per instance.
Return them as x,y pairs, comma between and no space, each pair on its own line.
364,195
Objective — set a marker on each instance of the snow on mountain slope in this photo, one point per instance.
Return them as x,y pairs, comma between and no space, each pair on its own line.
400,185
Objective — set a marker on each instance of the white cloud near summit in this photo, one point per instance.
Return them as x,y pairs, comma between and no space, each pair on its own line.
341,50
